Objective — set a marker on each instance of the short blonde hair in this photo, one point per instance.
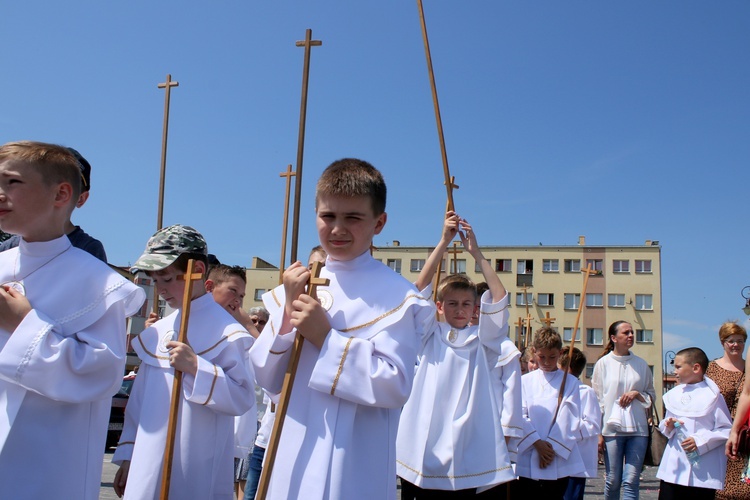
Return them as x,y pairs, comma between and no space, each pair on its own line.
56,164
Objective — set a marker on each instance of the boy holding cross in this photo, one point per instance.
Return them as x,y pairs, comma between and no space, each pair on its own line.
357,362
62,332
217,382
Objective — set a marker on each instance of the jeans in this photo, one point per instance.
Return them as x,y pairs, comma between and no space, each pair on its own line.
253,474
623,459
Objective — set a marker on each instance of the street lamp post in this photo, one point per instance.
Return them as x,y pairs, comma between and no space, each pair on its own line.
668,360
746,295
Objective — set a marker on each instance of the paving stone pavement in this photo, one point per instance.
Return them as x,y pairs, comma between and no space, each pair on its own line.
594,487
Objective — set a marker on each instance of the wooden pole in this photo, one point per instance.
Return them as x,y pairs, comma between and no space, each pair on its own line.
286,391
443,153
167,85
588,272
288,174
452,185
307,43
174,407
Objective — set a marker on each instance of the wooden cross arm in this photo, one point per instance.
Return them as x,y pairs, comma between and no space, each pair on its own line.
315,280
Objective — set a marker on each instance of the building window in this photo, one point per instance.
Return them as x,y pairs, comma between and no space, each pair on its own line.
523,299
589,370
460,264
503,265
644,302
597,265
525,266
161,307
594,300
572,266
550,266
545,299
616,300
258,295
395,264
416,265
620,266
572,300
567,334
644,336
642,266
594,336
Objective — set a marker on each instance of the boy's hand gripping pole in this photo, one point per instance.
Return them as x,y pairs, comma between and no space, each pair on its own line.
174,407
286,389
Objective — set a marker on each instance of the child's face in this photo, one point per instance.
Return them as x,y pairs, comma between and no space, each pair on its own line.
346,225
27,203
531,364
546,358
229,294
685,372
172,289
457,307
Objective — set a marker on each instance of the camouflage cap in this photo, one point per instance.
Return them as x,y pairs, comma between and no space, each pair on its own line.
167,244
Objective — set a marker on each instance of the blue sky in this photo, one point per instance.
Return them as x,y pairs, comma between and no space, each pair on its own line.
621,121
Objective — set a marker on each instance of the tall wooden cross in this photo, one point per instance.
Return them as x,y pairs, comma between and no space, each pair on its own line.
288,174
189,277
547,320
307,43
286,389
528,330
519,337
454,251
451,184
163,170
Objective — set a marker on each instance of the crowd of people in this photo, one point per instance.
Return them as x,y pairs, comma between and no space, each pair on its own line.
393,386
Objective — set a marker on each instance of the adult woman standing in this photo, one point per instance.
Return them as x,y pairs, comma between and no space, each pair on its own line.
624,384
729,374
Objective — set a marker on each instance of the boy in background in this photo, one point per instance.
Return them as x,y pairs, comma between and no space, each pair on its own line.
547,452
357,362
62,332
466,398
217,382
591,424
699,406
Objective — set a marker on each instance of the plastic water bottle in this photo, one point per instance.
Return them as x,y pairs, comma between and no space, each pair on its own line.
682,435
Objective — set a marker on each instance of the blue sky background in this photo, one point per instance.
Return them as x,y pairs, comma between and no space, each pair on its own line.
620,121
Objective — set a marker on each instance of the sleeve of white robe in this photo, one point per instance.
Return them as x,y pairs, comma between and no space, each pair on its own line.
529,435
378,371
85,366
493,321
591,415
565,431
224,384
511,416
706,439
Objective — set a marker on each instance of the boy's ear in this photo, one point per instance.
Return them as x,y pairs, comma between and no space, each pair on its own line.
199,267
210,286
63,194
82,199
380,224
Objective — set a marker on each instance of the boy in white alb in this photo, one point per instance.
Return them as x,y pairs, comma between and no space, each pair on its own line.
548,453
357,362
466,398
591,425
217,383
62,333
699,406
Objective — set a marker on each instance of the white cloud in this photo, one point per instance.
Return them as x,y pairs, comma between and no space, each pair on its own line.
675,341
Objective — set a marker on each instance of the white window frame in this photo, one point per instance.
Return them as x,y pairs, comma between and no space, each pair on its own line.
394,264
416,265
591,336
258,294
545,299
644,302
594,300
550,265
572,265
460,264
616,300
641,265
507,265
576,297
597,265
522,264
621,266
520,298
644,336
567,334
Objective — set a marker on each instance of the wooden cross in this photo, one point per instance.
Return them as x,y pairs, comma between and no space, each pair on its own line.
286,389
528,329
168,86
519,337
187,299
454,252
547,320
288,174
450,183
308,43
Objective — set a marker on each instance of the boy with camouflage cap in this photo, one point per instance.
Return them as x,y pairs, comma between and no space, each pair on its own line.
217,382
